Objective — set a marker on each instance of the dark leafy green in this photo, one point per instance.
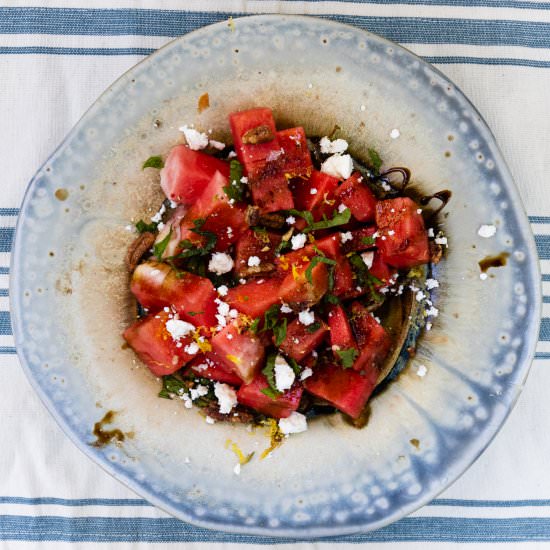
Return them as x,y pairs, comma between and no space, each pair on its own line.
153,162
160,247
279,331
313,327
143,227
236,188
316,260
347,357
375,160
269,372
172,385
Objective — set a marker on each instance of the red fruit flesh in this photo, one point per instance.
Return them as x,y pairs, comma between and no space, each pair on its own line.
355,194
254,298
208,366
299,341
296,159
341,334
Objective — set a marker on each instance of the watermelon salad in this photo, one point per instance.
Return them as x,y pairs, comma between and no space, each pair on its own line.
262,280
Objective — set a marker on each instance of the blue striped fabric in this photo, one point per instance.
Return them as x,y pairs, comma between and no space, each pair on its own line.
51,28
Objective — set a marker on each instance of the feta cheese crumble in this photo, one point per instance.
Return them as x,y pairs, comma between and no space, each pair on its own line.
220,263
341,208
178,329
313,191
210,420
197,392
298,241
395,133
294,424
432,283
253,261
195,139
291,220
222,290
216,144
306,317
345,237
368,258
483,276
306,373
158,216
237,469
441,240
329,147
339,166
487,231
285,309
226,395
284,375
421,370
192,348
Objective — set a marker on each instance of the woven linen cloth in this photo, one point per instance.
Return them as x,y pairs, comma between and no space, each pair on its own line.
56,59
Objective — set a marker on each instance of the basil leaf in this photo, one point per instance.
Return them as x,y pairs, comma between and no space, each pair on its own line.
143,227
153,162
294,365
331,299
190,249
347,357
364,277
315,261
159,248
279,331
368,240
271,316
375,160
269,372
235,189
282,247
340,218
253,328
193,313
308,216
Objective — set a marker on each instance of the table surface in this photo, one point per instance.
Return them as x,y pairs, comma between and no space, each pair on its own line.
55,60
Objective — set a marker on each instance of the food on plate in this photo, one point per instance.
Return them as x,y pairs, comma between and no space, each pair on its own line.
267,282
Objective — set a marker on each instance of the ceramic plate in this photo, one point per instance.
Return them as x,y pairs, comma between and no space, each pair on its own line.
71,300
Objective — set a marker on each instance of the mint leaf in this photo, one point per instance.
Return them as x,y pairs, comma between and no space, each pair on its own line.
279,331
269,372
375,160
313,327
308,216
235,189
253,328
153,162
294,365
193,313
368,240
159,248
315,261
347,357
340,218
271,317
172,386
143,227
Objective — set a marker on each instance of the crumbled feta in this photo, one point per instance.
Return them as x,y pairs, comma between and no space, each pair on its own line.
253,261
429,326
483,276
210,420
178,329
291,220
313,191
294,424
192,348
339,166
216,144
431,232
284,375
421,370
368,258
158,216
420,296
197,392
441,240
195,139
222,290
187,401
231,155
306,373
274,155
329,147
285,309
341,208
237,469
220,263
487,231
242,281
233,313
223,307
345,237
432,312
391,232
306,317
244,179
363,108
298,241
432,283
227,397
395,133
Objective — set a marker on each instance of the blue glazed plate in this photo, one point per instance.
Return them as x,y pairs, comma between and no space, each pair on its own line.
70,298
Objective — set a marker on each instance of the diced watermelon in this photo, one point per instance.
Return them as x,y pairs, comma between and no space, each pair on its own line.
355,194
251,396
373,340
254,298
315,193
269,189
177,232
253,156
186,173
253,243
298,292
228,223
238,350
344,283
208,366
156,285
296,159
341,334
299,341
155,346
381,270
347,389
402,241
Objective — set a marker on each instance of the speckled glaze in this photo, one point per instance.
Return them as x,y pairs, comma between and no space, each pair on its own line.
70,298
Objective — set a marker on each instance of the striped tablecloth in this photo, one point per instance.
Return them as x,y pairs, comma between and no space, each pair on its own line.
55,60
